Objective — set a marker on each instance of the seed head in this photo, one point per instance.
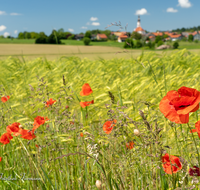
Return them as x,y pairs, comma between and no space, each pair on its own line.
136,132
98,184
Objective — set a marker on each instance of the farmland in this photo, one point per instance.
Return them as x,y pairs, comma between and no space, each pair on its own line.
53,52
71,149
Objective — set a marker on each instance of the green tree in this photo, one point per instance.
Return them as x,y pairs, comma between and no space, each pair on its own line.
86,41
42,34
34,35
21,35
41,40
136,35
160,43
184,39
71,37
27,35
175,45
158,38
138,44
128,43
88,34
53,38
190,37
165,36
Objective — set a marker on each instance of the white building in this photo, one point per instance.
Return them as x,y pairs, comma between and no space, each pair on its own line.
139,29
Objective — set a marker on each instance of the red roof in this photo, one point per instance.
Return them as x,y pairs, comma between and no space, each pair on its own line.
123,36
139,29
103,36
157,33
151,37
175,35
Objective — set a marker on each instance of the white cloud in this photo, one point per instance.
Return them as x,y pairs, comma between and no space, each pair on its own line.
2,28
184,3
93,18
88,23
95,24
6,34
71,30
172,10
15,14
15,32
142,11
2,13
83,27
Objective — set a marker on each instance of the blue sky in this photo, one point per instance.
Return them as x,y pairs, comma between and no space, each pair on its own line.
78,16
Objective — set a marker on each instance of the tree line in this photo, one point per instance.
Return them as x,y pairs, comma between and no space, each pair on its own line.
191,29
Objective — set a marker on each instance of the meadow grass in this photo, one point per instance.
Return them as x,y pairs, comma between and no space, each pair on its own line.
182,45
128,90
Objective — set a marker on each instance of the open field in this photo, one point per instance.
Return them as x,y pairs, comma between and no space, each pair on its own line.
120,137
187,45
52,52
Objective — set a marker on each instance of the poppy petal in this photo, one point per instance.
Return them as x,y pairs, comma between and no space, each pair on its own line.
170,113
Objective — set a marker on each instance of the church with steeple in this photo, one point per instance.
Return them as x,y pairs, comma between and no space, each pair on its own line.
139,29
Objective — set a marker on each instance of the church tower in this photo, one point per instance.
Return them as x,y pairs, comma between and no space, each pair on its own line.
139,29
138,22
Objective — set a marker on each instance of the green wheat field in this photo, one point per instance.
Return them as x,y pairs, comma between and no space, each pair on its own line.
73,151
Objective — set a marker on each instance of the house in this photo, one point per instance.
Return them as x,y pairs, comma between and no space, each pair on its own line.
196,35
79,36
152,38
93,37
101,37
157,33
122,38
118,33
175,37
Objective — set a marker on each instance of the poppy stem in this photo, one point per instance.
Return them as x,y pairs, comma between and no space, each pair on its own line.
194,143
32,161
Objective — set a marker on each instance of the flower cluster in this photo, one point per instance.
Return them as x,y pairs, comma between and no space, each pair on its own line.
86,91
15,129
176,106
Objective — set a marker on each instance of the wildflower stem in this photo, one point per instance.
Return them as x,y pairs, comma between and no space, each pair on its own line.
32,162
195,144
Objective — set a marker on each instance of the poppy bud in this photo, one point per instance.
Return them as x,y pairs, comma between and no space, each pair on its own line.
136,132
98,184
66,107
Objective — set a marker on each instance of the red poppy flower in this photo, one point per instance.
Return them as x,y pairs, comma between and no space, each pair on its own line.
37,146
50,102
84,104
81,134
5,138
130,145
86,90
13,128
177,105
197,126
0,159
108,126
71,122
195,171
171,164
27,134
39,121
66,107
5,98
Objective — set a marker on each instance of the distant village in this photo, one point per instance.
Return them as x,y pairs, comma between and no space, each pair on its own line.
167,35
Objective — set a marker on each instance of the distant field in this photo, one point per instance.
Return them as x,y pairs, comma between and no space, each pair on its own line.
16,41
52,52
182,45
